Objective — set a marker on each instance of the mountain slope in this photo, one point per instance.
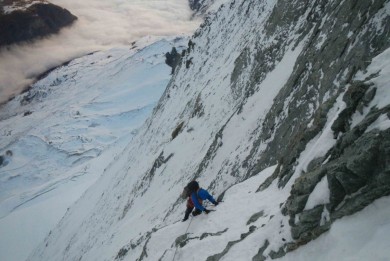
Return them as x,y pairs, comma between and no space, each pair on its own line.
65,131
291,93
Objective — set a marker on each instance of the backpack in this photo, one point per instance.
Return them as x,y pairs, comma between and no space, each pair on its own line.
186,193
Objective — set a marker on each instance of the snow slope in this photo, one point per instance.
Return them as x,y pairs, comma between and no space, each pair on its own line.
252,107
248,219
69,128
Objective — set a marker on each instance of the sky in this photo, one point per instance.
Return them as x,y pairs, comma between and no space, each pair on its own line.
102,24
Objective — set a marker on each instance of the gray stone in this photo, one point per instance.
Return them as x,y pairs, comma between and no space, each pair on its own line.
255,217
204,235
308,220
230,244
259,256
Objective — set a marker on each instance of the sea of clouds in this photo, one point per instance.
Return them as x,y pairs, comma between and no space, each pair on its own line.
101,24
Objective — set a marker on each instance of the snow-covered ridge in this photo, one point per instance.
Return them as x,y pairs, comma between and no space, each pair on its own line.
9,6
289,93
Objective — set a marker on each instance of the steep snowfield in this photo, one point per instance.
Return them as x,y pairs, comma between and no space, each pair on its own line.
73,123
248,219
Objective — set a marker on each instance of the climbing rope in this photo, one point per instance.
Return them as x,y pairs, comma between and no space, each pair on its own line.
188,225
184,233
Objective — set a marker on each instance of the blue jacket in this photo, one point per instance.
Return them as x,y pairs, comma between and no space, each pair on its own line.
203,195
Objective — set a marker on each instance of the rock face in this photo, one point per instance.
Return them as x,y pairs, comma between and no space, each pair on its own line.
195,4
172,58
357,171
357,167
200,6
38,20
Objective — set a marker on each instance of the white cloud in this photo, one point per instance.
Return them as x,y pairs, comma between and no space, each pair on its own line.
102,24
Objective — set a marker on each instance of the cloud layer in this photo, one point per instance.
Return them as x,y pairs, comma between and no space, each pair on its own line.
102,24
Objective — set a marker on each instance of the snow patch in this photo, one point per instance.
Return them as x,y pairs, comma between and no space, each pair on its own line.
382,123
320,194
320,144
377,74
380,68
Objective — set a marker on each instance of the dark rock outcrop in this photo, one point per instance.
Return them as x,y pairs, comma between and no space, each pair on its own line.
172,59
37,21
357,171
200,6
195,4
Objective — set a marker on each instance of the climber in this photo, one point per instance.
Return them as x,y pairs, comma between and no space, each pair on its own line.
196,195
190,205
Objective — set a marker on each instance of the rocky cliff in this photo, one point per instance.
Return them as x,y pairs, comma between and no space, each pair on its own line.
27,20
200,6
289,95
